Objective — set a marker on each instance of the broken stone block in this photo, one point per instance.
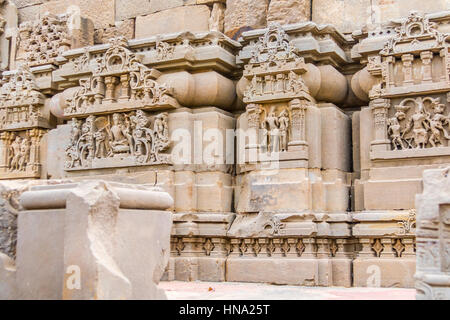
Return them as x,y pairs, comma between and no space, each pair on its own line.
93,240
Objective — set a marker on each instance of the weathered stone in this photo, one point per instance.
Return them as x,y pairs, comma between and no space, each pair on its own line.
244,15
9,205
346,16
100,12
112,236
123,28
289,11
126,9
433,241
173,20
8,31
7,278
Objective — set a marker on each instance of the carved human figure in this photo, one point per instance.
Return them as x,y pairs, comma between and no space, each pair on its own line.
24,154
101,143
75,131
14,153
160,127
86,141
295,82
395,132
283,121
272,123
121,140
418,122
437,123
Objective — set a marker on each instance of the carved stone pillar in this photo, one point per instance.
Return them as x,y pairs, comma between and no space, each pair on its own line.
268,84
125,91
407,68
4,137
390,71
380,109
111,83
99,89
426,57
35,136
298,132
253,118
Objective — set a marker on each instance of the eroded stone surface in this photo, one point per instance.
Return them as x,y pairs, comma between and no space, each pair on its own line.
289,11
243,15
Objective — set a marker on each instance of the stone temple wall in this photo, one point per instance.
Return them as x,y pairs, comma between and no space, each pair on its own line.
292,135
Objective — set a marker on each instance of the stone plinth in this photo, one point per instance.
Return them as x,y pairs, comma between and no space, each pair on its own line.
92,240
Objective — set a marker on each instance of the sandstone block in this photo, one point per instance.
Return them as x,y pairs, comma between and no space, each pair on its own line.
173,20
101,12
244,15
289,11
302,272
390,273
7,278
126,9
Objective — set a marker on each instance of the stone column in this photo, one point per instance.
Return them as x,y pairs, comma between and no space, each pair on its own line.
427,57
125,91
99,90
110,86
380,109
407,69
298,131
4,143
253,118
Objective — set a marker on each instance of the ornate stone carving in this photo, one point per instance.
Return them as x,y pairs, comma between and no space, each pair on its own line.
42,41
120,139
412,30
274,70
21,102
419,123
20,153
119,82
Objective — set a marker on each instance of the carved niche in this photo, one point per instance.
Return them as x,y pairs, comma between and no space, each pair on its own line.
118,82
277,97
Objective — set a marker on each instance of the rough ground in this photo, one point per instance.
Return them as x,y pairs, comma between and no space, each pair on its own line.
177,290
